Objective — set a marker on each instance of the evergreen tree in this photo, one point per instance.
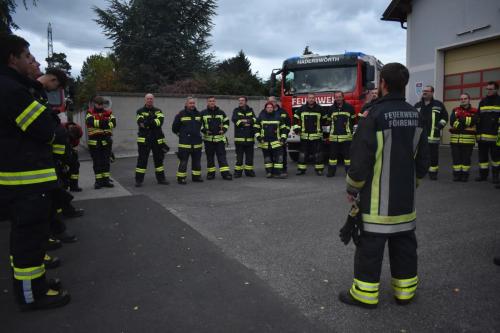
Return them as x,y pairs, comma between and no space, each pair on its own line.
58,60
157,42
7,8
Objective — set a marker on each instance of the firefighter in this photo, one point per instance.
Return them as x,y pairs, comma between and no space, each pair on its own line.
245,126
27,176
286,119
74,134
308,121
389,156
150,138
215,126
187,125
463,121
272,136
100,123
487,133
340,117
435,119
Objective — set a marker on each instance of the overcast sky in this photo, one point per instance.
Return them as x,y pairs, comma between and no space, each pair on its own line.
268,31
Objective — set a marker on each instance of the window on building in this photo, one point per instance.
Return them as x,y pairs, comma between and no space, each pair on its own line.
473,83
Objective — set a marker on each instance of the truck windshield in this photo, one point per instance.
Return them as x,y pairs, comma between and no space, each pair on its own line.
301,81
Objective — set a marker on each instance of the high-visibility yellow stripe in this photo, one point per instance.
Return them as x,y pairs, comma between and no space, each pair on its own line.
28,177
29,115
374,218
140,170
58,149
141,140
29,273
352,182
196,172
75,176
377,170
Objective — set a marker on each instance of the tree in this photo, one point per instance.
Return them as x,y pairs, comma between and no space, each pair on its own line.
58,60
158,42
307,51
7,8
98,74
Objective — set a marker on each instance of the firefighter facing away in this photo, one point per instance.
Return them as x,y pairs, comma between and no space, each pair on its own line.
389,156
150,138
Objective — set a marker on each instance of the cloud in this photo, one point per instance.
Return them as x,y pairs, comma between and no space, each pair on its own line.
267,31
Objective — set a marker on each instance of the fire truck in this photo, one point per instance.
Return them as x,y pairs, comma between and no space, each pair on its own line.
353,73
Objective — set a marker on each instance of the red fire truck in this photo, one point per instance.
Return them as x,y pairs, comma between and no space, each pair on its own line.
352,73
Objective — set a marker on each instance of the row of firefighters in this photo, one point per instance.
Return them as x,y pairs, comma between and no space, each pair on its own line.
271,127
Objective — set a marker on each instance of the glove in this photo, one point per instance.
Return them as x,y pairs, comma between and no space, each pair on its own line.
283,141
260,139
296,131
166,148
352,228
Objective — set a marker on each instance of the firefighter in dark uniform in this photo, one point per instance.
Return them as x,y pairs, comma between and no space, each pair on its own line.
463,121
288,123
150,138
272,136
435,119
27,176
75,134
487,133
215,126
100,123
308,121
389,156
340,117
245,125
187,125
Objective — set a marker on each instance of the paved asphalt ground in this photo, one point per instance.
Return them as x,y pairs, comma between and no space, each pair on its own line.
260,255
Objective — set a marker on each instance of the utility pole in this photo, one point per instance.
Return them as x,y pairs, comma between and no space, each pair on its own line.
50,48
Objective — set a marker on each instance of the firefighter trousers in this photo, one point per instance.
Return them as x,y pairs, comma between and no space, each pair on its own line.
74,168
337,149
30,220
488,151
244,152
218,149
310,147
434,157
368,264
461,156
145,149
183,156
273,160
101,153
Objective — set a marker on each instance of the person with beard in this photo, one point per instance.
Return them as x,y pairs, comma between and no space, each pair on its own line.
245,126
187,126
150,138
463,121
487,134
100,123
215,126
27,176
435,117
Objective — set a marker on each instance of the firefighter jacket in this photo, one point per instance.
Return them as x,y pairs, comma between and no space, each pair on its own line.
463,125
286,118
187,125
27,129
435,118
241,118
341,121
100,124
215,125
272,130
308,121
489,117
150,121
387,151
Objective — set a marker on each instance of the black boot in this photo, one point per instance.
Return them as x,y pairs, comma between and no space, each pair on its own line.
346,298
197,179
483,175
249,173
66,237
300,172
107,183
51,262
53,244
456,176
52,299
465,177
181,181
237,174
433,175
210,176
227,176
163,181
494,176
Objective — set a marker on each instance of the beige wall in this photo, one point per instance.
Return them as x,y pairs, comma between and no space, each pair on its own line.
124,108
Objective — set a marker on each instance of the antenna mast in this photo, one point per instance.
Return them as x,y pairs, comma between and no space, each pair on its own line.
50,48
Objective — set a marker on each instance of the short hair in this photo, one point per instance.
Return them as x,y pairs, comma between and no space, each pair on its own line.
60,75
244,97
396,77
11,45
338,92
494,83
98,100
268,103
432,88
210,97
149,94
466,94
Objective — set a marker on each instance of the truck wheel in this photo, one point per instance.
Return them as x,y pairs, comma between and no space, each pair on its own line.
294,156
